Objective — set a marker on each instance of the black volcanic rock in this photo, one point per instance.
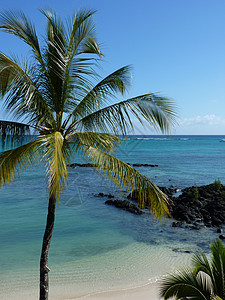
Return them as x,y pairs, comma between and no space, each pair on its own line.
177,224
195,206
125,205
87,165
104,195
145,165
204,204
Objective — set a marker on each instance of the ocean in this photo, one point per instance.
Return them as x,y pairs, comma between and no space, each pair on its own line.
96,247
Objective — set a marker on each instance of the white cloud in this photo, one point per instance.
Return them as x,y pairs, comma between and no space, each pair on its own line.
207,124
212,120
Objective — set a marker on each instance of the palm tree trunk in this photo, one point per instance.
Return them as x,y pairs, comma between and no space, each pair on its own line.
44,286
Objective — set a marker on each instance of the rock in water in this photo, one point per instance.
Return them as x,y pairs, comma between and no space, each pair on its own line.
125,205
145,165
104,195
87,165
204,204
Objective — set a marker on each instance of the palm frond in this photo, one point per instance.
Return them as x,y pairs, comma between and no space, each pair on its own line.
218,267
78,83
67,73
201,263
55,60
216,298
104,141
82,34
56,155
185,285
156,110
81,40
16,23
122,176
23,94
116,82
11,132
91,46
16,159
51,149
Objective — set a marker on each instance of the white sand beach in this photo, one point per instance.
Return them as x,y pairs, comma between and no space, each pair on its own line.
147,292
137,278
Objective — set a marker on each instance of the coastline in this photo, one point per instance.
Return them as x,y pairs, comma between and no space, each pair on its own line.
149,291
134,275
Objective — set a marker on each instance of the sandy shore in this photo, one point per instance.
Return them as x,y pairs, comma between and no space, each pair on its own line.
147,292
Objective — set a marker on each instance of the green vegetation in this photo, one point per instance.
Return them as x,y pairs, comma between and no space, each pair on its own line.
204,281
223,194
217,184
193,193
58,91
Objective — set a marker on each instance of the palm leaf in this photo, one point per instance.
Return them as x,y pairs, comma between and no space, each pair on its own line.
91,46
122,175
156,110
216,298
185,285
218,267
16,159
16,23
62,48
56,156
51,149
81,30
104,141
201,264
65,72
55,58
81,41
94,99
23,94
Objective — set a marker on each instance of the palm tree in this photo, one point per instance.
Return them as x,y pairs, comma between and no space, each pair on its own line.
205,281
59,94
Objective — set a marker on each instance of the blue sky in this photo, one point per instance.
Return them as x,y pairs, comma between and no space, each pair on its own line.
176,47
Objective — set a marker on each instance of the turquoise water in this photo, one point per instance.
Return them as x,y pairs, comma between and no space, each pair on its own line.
97,247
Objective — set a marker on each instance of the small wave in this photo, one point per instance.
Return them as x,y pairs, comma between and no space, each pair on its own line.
183,139
223,140
156,139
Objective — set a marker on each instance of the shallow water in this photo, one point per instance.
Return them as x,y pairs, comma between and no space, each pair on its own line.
95,246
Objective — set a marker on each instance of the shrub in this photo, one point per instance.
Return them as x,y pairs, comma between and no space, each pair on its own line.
193,193
217,184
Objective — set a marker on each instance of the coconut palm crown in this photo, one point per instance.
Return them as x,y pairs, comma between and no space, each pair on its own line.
204,281
58,93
